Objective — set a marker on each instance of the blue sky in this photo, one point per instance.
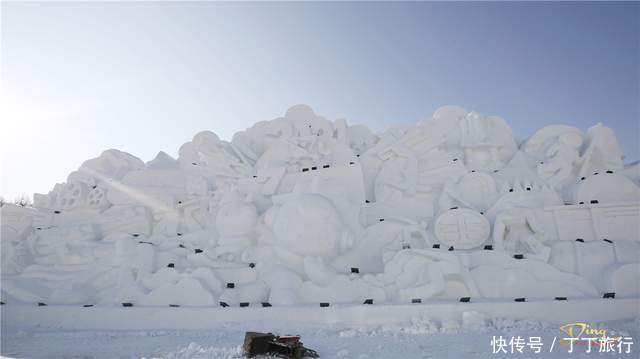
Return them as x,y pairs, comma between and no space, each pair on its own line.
78,78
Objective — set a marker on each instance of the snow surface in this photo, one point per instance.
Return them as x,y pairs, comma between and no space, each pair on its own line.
420,337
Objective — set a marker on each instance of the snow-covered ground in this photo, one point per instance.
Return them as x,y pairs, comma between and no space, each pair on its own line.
417,338
428,330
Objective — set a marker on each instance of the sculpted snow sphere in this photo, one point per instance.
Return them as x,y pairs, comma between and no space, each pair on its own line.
300,209
462,228
309,225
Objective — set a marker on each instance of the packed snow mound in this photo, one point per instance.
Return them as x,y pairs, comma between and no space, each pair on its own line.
301,209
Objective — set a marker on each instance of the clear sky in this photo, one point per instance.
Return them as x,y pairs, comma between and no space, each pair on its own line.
79,78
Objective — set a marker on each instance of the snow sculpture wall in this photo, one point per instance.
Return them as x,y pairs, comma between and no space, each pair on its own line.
301,209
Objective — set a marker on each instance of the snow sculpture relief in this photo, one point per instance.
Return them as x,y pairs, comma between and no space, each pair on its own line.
518,231
301,209
462,228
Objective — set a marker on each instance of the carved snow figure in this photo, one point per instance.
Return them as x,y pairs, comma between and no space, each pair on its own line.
235,222
213,156
307,123
424,274
474,134
486,141
475,190
603,151
397,179
563,156
518,231
390,235
361,138
287,153
111,164
326,285
607,188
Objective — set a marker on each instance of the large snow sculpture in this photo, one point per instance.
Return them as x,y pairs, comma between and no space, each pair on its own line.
300,209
